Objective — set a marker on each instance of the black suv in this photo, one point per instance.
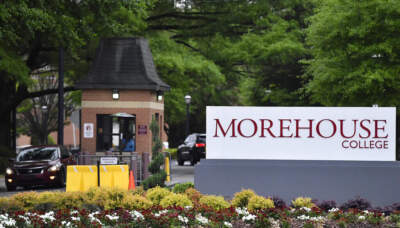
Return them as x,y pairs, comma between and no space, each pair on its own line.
192,149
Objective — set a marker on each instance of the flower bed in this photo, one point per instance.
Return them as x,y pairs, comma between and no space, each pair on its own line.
116,208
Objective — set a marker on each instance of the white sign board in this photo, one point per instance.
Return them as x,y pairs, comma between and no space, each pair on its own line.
88,130
108,160
301,133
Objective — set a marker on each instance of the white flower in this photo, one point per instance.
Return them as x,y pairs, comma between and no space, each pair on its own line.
228,224
317,219
48,216
6,221
75,219
93,218
303,217
306,209
293,210
160,213
67,224
183,219
332,210
188,207
74,212
249,217
201,219
136,215
367,212
242,211
112,217
361,217
26,219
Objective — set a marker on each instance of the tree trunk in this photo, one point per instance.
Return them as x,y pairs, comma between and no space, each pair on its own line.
7,94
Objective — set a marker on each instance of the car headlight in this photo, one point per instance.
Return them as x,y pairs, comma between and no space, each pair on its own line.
54,168
9,171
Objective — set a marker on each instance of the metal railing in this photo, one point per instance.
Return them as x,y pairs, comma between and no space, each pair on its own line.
134,161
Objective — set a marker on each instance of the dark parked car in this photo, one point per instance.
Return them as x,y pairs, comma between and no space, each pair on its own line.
192,149
39,165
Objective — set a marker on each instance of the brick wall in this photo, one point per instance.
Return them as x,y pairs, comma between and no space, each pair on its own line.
143,115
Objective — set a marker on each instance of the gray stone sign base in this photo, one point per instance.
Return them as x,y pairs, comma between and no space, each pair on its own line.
378,182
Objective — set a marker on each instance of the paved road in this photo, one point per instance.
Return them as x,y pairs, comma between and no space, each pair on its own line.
179,174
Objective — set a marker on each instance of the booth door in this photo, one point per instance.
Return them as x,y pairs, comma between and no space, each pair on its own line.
114,132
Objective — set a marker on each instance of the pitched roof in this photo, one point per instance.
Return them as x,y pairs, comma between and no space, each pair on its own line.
123,63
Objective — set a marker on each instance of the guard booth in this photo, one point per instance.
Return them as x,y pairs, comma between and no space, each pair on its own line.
121,95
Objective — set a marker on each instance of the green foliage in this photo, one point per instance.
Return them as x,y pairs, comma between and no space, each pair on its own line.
50,140
26,200
135,202
215,202
156,194
182,187
156,163
259,203
178,200
303,202
355,49
241,199
155,137
154,180
173,152
158,176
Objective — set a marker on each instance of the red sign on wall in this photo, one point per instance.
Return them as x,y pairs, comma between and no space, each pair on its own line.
142,129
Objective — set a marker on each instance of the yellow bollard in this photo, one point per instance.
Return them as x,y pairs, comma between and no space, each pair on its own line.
167,169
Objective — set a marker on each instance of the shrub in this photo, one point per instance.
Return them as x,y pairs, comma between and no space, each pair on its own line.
157,194
259,202
155,164
105,198
241,199
154,180
357,203
135,202
47,206
7,205
71,200
177,200
26,200
181,188
215,202
193,194
173,152
327,205
139,190
303,202
278,202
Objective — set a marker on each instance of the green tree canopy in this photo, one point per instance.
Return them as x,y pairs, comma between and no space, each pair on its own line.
355,45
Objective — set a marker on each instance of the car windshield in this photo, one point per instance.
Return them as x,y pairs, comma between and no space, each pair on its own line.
35,154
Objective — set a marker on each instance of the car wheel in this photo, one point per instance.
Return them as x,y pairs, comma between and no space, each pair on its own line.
180,161
11,188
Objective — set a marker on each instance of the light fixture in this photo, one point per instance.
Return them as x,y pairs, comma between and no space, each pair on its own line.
188,98
115,94
159,96
44,108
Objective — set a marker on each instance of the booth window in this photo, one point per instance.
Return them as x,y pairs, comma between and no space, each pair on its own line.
115,132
